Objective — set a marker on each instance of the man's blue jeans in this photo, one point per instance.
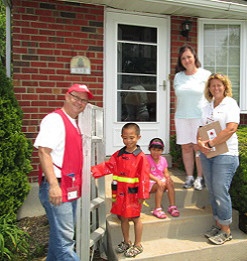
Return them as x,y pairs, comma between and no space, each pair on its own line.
218,173
62,220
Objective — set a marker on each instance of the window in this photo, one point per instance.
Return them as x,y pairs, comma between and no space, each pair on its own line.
221,49
137,73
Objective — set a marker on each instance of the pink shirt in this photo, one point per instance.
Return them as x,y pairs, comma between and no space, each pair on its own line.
157,169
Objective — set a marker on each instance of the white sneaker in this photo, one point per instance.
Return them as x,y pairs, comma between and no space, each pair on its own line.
189,182
198,183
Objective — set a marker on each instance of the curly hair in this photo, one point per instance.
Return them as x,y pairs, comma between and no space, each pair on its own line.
226,82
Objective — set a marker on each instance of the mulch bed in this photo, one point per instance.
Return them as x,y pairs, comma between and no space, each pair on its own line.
38,229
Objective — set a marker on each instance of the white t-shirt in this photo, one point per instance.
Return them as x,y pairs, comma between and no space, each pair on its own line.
227,111
189,90
52,135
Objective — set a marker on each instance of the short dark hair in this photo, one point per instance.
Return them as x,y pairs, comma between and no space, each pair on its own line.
131,125
179,66
156,143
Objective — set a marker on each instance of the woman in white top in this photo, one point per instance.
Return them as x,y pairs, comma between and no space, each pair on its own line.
189,83
219,170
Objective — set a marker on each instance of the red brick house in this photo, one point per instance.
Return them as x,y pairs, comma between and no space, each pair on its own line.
116,44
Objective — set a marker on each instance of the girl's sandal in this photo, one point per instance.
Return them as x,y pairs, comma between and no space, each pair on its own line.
159,213
173,211
133,251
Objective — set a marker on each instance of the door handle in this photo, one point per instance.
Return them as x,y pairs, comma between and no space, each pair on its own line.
163,85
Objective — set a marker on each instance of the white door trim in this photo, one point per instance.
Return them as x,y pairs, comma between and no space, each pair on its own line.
111,70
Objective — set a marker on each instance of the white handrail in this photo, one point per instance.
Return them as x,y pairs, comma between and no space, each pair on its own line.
91,215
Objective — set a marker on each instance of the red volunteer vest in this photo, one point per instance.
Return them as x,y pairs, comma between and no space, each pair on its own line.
71,169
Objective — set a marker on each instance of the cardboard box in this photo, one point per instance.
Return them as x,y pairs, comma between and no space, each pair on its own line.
209,132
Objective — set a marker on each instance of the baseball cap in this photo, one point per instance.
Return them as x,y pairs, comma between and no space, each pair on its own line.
80,88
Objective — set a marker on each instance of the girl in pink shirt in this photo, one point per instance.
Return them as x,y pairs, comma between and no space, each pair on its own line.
160,179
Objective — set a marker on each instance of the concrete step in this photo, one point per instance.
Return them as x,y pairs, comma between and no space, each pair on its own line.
191,248
192,220
178,238
183,197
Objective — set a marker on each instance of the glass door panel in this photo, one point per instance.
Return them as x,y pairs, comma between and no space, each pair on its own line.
136,73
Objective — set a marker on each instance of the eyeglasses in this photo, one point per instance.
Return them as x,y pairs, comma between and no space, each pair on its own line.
78,99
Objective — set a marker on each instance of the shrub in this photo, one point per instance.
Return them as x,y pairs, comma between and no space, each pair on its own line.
238,188
13,241
2,31
176,153
15,151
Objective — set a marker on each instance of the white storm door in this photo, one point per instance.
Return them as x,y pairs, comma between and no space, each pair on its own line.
137,55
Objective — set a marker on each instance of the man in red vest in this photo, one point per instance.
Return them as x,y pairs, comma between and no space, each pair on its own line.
59,144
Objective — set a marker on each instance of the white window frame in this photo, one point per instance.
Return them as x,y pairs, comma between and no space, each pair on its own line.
243,54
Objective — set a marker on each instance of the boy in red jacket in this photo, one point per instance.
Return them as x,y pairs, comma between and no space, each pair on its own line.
130,170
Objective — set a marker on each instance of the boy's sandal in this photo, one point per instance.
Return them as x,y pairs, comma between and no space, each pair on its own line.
123,246
133,251
173,211
159,213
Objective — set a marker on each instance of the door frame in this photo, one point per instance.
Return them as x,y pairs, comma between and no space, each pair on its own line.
111,69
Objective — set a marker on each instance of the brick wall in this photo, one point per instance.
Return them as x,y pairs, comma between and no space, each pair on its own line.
243,119
177,40
47,34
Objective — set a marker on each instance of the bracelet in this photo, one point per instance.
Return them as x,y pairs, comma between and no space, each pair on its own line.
209,145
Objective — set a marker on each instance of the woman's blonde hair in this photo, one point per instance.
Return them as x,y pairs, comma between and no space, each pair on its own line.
226,82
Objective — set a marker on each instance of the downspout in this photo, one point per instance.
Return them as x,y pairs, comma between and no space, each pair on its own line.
8,37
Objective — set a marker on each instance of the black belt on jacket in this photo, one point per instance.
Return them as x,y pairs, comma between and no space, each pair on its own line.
44,179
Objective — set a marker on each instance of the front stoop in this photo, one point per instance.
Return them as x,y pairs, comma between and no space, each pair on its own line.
181,238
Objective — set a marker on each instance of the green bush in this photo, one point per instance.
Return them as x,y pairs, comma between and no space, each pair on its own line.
238,188
2,31
15,151
14,242
176,153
